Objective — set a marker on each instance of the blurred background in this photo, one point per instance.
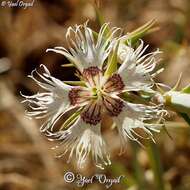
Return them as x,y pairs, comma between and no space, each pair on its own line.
26,160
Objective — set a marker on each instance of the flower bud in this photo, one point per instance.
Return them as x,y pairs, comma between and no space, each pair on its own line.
178,100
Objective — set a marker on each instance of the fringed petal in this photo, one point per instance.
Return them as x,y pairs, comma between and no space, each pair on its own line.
51,104
81,139
136,69
85,51
137,116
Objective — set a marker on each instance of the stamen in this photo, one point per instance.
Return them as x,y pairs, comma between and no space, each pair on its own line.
92,75
92,113
114,83
113,106
78,96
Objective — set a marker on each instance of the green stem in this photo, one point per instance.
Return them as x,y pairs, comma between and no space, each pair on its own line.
156,165
138,171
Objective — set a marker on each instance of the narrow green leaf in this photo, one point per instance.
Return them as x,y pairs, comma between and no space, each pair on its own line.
174,124
141,31
95,34
112,62
75,83
177,83
181,109
186,89
185,117
100,18
68,65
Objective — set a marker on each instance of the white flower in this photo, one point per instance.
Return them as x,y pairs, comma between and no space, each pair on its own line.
99,95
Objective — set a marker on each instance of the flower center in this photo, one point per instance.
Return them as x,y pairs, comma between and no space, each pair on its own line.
98,95
92,77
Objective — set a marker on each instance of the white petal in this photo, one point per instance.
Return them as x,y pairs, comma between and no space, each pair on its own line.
82,139
125,53
51,104
63,51
136,68
133,116
85,51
